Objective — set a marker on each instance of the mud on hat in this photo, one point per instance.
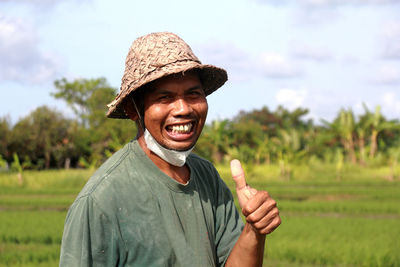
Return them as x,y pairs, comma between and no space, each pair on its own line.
156,55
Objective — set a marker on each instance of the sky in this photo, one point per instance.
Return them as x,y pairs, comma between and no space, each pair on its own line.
322,55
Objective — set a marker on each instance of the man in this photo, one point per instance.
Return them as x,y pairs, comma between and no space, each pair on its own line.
154,203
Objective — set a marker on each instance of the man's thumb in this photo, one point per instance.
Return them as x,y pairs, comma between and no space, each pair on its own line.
238,174
242,189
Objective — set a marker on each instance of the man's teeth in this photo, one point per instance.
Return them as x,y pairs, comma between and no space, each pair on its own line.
185,128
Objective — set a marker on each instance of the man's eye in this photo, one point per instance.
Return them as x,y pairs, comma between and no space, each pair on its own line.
195,93
164,97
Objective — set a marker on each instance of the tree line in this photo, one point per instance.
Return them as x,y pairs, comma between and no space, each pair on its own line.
47,139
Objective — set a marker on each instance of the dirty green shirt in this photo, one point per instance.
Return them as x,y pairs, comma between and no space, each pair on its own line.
132,214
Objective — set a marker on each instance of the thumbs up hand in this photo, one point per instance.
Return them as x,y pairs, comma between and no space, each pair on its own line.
258,207
243,191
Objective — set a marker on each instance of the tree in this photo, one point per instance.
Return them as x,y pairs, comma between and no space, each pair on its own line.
271,122
5,135
220,133
344,127
267,119
16,166
247,136
78,93
38,135
107,135
88,98
289,120
377,124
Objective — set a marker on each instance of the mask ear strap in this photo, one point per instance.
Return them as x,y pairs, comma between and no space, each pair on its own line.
141,122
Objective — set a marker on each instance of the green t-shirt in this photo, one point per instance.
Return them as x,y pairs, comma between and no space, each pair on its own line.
132,214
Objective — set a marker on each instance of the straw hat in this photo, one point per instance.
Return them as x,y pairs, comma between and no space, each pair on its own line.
157,55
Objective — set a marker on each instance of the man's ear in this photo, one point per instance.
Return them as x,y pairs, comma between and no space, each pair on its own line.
130,109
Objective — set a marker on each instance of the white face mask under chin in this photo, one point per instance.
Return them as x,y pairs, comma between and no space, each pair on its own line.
176,158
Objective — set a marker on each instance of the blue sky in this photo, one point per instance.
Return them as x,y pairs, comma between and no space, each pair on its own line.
319,54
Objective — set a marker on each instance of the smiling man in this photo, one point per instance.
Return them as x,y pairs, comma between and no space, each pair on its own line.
154,203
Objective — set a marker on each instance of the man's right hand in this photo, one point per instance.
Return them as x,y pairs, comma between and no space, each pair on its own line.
258,207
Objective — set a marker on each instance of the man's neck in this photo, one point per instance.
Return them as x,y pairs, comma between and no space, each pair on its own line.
179,174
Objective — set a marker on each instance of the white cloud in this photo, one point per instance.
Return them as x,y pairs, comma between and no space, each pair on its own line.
40,4
315,16
387,74
291,98
222,54
391,103
21,58
30,2
304,51
238,63
329,3
317,12
242,65
322,103
274,65
391,37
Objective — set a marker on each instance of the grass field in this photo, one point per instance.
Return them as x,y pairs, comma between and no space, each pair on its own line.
353,220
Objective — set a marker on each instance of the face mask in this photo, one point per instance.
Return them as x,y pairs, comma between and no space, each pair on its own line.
176,158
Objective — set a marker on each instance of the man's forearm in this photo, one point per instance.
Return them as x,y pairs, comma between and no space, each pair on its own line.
248,250
262,217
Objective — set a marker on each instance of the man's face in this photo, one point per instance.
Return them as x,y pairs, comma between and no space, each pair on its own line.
175,110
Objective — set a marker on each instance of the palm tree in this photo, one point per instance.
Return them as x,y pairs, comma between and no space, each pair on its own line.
374,123
218,134
344,126
378,124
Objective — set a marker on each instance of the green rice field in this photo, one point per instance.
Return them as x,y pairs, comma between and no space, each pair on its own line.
327,220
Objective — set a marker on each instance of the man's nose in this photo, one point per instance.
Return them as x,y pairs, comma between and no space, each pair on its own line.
181,107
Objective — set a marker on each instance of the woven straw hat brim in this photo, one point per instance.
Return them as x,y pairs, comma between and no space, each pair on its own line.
211,76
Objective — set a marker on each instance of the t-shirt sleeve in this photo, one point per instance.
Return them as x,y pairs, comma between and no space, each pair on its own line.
88,236
229,224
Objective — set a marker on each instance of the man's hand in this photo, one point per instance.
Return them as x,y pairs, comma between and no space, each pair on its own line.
258,207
